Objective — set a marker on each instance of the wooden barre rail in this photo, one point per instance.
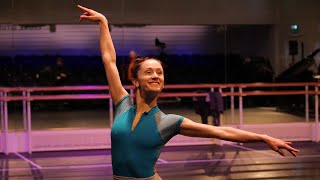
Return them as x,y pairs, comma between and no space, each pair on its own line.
28,94
169,86
163,95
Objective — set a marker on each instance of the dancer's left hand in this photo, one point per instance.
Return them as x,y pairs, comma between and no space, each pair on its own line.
277,145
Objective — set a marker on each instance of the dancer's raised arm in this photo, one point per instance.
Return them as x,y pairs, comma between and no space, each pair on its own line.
108,53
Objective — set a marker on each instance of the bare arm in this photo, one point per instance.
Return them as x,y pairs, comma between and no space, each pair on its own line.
108,54
190,128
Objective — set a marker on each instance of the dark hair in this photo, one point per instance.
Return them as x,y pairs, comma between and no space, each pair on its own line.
135,65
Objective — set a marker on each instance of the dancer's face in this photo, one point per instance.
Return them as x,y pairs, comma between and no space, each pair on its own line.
150,76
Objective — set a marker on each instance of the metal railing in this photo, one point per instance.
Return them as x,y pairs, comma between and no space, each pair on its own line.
29,94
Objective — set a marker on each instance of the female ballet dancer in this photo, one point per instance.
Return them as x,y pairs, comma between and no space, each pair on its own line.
141,130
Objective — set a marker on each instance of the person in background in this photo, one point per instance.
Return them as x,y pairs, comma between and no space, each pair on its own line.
60,73
132,58
211,105
201,106
125,66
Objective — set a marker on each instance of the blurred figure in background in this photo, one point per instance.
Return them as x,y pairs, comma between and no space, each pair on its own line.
126,75
132,57
211,105
45,77
61,77
60,73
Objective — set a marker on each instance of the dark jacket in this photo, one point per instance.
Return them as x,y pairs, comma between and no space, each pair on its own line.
216,102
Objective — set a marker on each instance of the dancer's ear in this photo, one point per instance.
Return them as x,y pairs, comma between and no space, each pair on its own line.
135,83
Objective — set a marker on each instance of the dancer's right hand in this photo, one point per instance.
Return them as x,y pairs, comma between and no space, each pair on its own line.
90,14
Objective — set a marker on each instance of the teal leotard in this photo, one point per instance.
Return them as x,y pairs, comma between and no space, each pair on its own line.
135,153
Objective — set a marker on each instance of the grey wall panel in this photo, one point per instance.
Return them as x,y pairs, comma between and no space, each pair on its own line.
6,12
179,39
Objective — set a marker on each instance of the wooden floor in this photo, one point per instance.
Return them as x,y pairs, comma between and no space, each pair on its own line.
230,161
